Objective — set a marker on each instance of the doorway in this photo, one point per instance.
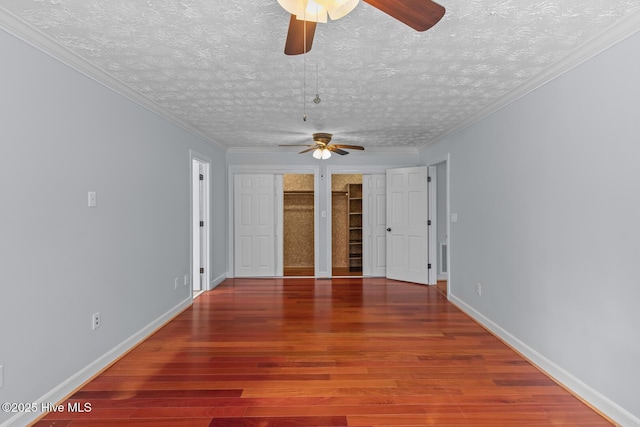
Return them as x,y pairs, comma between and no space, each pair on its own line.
346,225
298,225
439,213
200,208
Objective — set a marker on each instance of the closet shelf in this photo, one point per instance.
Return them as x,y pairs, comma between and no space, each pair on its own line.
354,247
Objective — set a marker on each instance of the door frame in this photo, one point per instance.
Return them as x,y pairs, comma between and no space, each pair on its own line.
275,170
322,191
344,170
194,227
431,164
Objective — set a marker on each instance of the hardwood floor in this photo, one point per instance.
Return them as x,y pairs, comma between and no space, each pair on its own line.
299,271
441,286
309,271
342,352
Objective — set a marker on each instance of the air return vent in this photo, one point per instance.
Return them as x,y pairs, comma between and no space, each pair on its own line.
444,262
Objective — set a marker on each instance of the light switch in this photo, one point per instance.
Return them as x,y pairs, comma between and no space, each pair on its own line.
92,199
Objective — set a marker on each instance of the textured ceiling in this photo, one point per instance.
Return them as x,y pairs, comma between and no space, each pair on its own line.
219,66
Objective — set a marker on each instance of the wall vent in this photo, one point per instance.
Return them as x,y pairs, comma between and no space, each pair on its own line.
444,263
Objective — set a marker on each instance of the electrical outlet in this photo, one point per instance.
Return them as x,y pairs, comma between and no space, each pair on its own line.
96,320
176,282
186,279
479,289
1,376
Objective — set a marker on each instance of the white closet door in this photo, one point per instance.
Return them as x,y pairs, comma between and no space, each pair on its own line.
254,225
375,223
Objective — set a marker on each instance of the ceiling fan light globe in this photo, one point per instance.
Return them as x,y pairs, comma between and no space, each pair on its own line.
317,10
314,11
326,154
342,8
317,154
305,10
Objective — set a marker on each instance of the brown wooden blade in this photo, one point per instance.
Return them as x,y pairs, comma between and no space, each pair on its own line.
351,147
307,150
296,145
337,150
418,14
295,44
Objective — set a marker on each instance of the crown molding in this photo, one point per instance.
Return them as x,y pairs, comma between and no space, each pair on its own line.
37,39
596,45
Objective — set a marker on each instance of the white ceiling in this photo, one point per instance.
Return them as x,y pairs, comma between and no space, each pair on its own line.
218,67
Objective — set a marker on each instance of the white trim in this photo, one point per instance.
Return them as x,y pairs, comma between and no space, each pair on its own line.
267,169
437,160
585,392
278,216
611,36
366,227
77,380
316,223
216,282
194,155
432,234
34,37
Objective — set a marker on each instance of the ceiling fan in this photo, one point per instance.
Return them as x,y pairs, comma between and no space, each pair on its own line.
417,14
322,147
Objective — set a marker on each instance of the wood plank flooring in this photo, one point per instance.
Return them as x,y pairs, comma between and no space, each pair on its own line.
341,352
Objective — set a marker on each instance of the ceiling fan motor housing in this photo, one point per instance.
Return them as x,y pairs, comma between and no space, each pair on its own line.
323,138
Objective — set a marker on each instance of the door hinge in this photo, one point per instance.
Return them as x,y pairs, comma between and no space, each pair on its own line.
201,177
428,222
201,270
428,179
428,266
201,223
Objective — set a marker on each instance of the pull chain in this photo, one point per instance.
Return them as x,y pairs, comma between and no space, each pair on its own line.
304,68
316,100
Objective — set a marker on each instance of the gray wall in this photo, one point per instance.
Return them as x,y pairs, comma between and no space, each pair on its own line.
547,191
62,135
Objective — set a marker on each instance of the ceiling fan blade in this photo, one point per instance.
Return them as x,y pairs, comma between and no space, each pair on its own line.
418,14
337,150
307,150
296,145
295,44
351,147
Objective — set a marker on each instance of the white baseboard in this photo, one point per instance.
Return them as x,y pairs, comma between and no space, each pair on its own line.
597,400
62,391
215,282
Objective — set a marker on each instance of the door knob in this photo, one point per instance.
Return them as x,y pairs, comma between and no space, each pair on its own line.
388,229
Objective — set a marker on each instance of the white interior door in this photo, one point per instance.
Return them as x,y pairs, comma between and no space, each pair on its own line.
195,225
407,229
432,215
375,223
254,225
199,224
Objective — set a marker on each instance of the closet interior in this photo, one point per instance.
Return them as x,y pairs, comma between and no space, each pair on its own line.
298,225
346,220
